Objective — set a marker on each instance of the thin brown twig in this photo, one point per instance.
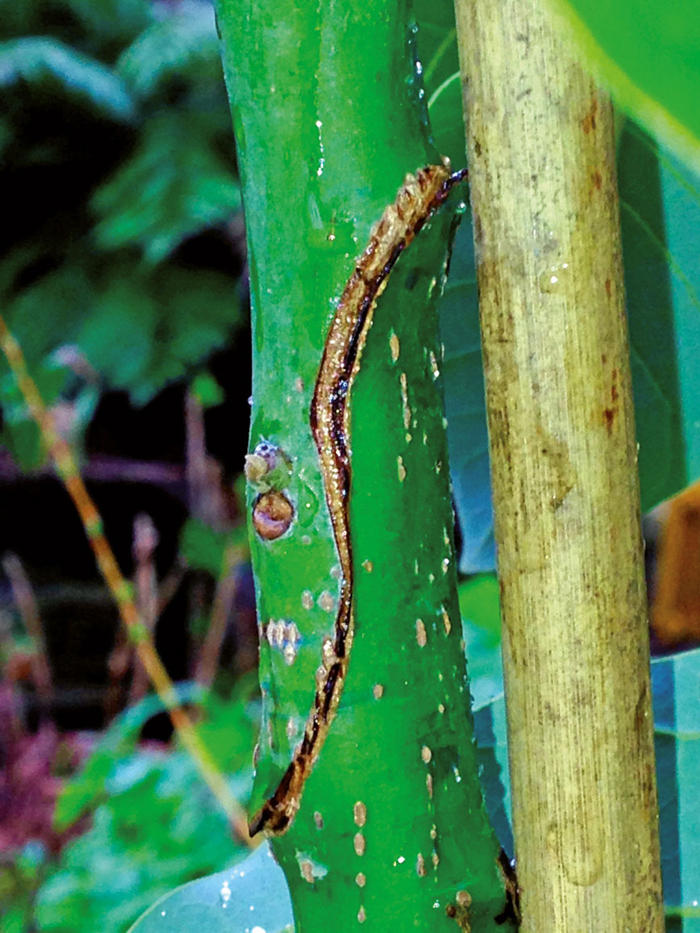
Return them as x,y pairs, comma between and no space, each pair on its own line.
26,603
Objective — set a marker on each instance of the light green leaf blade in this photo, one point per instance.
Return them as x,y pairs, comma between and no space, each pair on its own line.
250,898
648,51
49,67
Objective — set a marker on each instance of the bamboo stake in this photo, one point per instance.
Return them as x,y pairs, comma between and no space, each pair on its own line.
563,455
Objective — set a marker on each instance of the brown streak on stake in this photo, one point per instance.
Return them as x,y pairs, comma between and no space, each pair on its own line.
418,198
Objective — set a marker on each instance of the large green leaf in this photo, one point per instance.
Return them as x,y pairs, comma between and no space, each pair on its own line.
250,898
649,52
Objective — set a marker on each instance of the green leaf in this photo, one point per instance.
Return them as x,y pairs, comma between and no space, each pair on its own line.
118,337
148,326
174,186
207,390
20,434
437,47
87,788
180,47
481,626
49,68
112,21
250,898
203,547
649,53
465,407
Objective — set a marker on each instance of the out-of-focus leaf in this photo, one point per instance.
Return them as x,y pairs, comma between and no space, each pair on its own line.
118,336
87,788
203,547
149,326
181,47
112,21
154,824
250,898
174,186
481,625
649,53
660,214
465,407
199,312
207,390
44,66
20,434
437,47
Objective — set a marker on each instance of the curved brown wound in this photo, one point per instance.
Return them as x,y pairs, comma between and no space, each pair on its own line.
418,198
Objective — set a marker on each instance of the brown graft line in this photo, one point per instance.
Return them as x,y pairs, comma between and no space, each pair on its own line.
417,200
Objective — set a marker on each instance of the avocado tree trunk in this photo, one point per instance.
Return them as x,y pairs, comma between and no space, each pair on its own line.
564,469
367,775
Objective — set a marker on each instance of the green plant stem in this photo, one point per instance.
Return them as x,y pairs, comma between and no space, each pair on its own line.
564,468
67,469
391,833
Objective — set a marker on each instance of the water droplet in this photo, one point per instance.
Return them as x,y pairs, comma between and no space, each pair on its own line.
550,280
308,505
419,68
225,894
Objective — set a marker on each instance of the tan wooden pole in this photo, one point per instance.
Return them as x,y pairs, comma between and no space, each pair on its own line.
564,466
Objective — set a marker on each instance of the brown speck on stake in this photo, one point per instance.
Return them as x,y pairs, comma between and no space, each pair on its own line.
368,565
401,469
318,820
362,915
360,879
359,844
426,754
307,871
421,634
421,870
378,691
429,784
